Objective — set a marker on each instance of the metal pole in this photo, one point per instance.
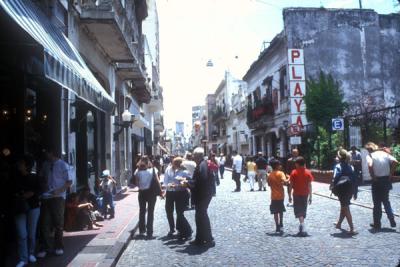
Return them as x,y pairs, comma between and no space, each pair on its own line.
360,2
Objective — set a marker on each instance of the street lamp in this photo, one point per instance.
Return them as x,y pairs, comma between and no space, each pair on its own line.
127,120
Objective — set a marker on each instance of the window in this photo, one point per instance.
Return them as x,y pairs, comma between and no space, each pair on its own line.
283,88
268,87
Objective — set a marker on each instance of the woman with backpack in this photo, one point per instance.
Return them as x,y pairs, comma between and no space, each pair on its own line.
344,186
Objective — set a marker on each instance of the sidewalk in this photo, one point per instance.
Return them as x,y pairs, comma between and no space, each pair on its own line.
100,247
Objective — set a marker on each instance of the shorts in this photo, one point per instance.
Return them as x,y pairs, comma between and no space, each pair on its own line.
344,195
277,206
300,206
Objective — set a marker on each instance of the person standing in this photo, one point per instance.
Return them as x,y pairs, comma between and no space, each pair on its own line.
381,166
222,161
213,167
55,173
107,186
356,160
190,165
300,181
237,169
202,190
251,172
177,198
262,167
344,183
26,195
291,162
145,174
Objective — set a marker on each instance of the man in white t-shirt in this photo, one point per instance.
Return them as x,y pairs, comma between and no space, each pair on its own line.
221,161
381,166
237,169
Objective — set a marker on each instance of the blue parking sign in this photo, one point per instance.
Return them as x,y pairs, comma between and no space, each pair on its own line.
337,124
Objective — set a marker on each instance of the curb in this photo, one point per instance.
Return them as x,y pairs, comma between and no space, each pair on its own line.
352,203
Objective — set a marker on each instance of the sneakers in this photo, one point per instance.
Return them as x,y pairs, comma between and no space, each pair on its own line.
252,190
265,189
32,258
41,254
59,252
392,222
21,264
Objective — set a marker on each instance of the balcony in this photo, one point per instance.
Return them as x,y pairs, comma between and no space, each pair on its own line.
156,102
219,116
260,112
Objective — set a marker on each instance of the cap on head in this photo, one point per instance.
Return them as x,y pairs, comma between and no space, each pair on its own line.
105,173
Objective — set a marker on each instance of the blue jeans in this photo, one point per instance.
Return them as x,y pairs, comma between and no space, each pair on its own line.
26,224
108,200
380,195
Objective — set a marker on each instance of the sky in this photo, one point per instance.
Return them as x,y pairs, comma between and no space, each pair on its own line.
230,33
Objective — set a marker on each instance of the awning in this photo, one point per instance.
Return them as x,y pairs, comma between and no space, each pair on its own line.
221,145
62,62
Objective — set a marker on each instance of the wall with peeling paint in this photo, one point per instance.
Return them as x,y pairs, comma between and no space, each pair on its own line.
360,48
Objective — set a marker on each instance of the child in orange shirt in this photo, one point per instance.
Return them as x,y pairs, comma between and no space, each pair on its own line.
276,180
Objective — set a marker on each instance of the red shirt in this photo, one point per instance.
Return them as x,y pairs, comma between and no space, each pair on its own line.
299,179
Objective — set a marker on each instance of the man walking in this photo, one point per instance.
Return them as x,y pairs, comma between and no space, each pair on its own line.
262,166
221,162
55,173
356,162
202,193
237,169
291,162
381,166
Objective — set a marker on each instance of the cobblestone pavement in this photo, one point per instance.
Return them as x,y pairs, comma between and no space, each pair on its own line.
244,233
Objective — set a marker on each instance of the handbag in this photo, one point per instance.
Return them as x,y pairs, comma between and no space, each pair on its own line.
154,185
340,184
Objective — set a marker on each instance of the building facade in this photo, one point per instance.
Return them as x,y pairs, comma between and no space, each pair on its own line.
82,64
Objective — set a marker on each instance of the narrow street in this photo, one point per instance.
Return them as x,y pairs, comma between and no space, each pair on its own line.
244,232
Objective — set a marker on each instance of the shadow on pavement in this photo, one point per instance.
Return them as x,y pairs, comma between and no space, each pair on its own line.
343,234
383,230
194,250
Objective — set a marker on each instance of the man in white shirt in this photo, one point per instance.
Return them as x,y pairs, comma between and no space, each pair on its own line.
237,169
221,162
381,166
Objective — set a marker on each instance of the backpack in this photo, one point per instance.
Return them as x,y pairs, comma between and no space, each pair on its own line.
338,185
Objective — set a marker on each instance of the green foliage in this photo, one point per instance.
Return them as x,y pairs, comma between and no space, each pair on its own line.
396,153
324,100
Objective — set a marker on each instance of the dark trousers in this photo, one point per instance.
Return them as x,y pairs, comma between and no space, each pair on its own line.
222,170
52,217
177,200
236,178
148,199
380,195
203,226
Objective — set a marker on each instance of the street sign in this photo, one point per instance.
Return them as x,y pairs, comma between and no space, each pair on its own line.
338,124
295,129
295,140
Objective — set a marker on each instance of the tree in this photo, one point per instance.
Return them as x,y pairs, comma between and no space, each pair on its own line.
323,100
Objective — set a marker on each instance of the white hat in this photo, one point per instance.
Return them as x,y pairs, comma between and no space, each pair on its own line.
105,173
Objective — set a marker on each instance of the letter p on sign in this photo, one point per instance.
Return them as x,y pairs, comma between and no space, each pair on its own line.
296,56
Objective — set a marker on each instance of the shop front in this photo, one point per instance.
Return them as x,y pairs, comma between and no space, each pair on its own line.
49,97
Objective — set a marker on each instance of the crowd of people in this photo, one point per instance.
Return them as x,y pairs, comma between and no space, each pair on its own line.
42,206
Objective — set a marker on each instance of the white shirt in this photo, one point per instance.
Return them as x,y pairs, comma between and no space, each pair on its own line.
237,163
56,174
189,165
381,162
144,177
222,160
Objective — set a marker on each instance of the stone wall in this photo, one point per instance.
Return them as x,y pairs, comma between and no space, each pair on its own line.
360,48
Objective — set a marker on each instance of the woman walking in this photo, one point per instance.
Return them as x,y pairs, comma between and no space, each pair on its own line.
175,178
344,185
147,180
27,211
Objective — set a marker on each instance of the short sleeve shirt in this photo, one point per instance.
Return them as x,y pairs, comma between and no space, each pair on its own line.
276,180
381,162
144,178
56,174
237,163
299,179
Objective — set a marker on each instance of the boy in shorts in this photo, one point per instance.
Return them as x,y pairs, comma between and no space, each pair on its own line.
276,180
300,181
